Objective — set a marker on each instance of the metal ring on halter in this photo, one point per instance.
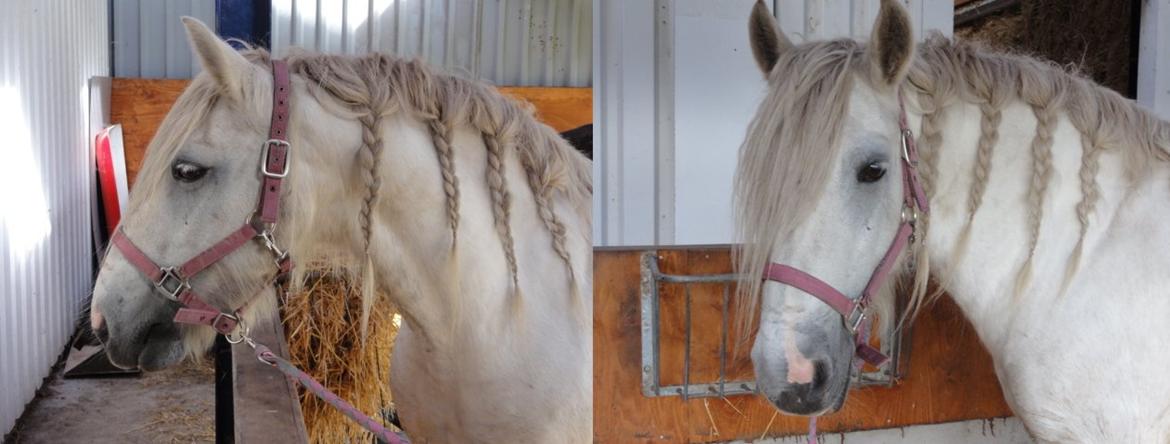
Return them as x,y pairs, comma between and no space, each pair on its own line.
906,137
910,214
242,332
172,292
254,220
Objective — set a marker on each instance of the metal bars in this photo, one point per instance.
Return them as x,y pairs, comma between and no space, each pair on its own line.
653,298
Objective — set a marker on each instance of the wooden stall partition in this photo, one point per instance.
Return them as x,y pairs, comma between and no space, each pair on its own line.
141,104
949,375
266,404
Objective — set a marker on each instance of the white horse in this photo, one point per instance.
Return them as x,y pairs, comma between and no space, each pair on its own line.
436,190
1049,202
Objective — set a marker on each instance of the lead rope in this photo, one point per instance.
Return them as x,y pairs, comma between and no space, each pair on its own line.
265,355
812,430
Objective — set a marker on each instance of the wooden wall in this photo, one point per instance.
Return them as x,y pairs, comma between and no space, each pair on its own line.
950,377
141,104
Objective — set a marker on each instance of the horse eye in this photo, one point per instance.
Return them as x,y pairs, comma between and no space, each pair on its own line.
871,173
184,171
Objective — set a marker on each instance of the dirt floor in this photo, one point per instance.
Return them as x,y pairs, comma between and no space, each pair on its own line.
171,406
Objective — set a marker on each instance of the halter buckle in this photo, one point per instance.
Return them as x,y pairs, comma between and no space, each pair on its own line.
171,285
264,159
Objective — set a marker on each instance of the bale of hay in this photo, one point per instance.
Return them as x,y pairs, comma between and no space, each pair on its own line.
323,328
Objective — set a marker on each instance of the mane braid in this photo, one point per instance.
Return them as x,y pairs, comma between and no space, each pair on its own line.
554,226
441,136
989,137
1090,194
1041,177
501,204
369,156
929,141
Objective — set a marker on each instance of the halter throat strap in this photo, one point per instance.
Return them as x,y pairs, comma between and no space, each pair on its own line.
853,311
173,283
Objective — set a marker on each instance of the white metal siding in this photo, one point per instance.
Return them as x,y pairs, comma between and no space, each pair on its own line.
149,40
48,52
1153,89
507,42
677,87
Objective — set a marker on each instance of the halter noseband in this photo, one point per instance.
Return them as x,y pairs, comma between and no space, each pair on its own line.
174,283
853,312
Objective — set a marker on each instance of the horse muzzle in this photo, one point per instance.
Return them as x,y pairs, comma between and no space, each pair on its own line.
152,347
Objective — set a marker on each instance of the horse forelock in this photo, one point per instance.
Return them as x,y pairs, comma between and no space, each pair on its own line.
785,159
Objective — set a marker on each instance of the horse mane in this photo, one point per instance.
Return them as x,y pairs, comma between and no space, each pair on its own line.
375,85
947,71
784,160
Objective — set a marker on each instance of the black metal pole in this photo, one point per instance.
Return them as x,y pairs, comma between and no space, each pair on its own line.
225,424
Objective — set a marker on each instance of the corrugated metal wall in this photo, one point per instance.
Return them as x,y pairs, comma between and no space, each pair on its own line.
676,88
48,52
149,40
507,42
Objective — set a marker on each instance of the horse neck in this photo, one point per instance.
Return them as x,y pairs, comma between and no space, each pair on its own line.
444,280
979,247
407,244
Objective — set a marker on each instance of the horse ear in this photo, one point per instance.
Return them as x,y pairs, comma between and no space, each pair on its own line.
767,40
892,44
219,59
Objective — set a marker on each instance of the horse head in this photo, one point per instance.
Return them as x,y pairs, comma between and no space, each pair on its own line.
819,188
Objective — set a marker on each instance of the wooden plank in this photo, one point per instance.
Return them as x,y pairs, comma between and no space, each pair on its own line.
141,104
950,376
561,108
267,407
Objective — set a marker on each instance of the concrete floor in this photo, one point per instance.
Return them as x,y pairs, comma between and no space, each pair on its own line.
170,406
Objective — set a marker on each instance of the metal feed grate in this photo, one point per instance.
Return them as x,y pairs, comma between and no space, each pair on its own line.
653,297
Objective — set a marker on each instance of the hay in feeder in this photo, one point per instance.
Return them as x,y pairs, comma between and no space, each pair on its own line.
323,328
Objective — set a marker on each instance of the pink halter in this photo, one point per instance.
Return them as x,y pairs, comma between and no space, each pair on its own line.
173,283
853,312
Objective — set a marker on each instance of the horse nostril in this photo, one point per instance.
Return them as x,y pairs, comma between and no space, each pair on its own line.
820,375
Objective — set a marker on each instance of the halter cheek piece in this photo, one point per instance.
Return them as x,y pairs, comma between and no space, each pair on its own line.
174,283
853,312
